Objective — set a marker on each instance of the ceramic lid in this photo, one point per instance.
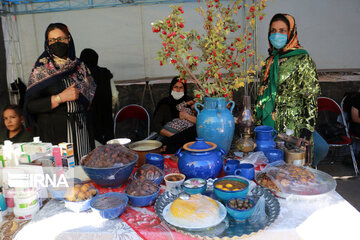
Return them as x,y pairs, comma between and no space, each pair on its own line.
199,145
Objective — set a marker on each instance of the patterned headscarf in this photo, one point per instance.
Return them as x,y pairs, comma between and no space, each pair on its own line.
46,72
267,95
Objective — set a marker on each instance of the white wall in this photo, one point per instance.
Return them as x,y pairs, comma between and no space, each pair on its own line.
328,29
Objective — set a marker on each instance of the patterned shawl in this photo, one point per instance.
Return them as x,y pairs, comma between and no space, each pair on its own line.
46,73
267,95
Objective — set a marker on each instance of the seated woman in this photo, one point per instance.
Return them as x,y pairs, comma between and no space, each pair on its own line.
185,120
173,120
15,130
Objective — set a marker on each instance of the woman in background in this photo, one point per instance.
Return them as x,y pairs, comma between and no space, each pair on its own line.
59,92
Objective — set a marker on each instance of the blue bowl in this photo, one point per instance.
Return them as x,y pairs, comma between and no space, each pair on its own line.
79,206
113,211
226,195
158,180
112,176
59,193
240,215
142,201
155,159
274,155
194,185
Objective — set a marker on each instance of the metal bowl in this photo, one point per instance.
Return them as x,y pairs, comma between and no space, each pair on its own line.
144,147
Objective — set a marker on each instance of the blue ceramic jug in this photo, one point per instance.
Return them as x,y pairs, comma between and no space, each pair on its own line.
215,123
201,159
265,136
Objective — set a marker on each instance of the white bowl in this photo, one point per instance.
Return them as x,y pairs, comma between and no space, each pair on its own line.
122,141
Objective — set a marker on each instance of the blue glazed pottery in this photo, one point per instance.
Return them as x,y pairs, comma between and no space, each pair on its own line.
240,215
155,159
246,170
109,211
112,176
225,194
201,159
265,136
215,123
142,201
194,185
230,166
274,155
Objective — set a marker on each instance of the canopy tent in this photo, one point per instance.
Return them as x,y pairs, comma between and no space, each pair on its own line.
43,6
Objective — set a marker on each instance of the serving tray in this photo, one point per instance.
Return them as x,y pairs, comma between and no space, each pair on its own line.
228,227
327,183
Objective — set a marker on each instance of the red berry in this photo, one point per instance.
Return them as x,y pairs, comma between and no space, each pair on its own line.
167,21
161,63
163,32
247,18
243,59
261,18
169,25
239,7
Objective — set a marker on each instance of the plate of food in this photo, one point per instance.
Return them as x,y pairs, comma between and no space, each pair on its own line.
228,227
197,212
289,180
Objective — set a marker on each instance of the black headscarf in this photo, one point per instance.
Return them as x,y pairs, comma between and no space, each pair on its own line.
171,101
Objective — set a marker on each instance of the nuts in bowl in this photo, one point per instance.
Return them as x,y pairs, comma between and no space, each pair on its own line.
78,197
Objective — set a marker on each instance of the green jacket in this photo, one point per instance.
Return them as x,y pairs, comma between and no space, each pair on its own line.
296,97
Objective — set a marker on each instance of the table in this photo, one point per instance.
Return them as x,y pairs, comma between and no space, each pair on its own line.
327,217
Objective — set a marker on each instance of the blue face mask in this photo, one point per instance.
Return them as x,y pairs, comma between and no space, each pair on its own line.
278,40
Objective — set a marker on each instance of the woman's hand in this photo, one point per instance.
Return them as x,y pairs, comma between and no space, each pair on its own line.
184,115
69,94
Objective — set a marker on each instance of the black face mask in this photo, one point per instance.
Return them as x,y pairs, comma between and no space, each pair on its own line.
60,49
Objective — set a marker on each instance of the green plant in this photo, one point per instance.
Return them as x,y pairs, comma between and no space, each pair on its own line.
226,46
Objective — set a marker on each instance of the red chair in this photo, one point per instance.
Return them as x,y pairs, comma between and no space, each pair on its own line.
132,111
328,104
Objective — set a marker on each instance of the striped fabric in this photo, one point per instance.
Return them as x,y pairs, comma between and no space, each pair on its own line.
77,132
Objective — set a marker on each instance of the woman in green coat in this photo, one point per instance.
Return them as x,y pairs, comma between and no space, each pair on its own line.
289,87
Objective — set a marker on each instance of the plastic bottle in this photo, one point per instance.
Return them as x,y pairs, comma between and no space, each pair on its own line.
8,154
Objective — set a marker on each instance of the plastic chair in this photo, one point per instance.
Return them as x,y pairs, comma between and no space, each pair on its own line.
132,111
328,104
